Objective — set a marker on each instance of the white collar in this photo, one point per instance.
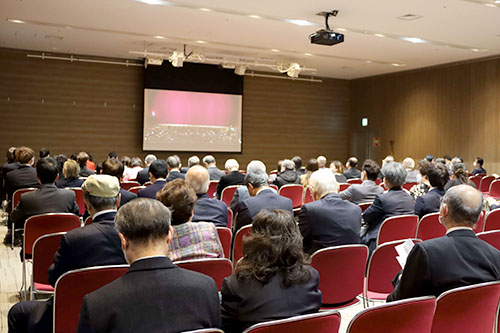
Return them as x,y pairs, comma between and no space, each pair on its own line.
149,257
103,212
457,228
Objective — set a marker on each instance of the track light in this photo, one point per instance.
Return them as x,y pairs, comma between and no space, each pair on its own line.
240,69
293,70
153,61
177,58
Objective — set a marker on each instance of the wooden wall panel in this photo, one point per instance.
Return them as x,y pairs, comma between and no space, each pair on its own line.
68,107
445,110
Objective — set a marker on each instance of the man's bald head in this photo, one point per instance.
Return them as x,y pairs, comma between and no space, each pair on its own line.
199,179
461,206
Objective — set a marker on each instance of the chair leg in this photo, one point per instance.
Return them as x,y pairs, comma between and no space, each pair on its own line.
12,238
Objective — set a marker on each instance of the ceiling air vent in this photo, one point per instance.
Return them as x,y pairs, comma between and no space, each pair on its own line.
409,17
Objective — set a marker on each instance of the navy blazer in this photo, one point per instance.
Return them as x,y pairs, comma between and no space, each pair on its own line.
479,170
153,296
232,178
126,196
215,173
151,190
22,177
174,175
352,173
72,182
440,264
95,244
330,221
265,199
207,209
429,202
143,176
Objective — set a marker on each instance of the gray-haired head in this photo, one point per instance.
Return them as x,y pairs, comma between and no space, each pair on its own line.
257,178
231,164
199,179
208,159
409,163
321,161
323,182
464,205
288,165
193,160
394,173
143,220
149,158
173,162
256,166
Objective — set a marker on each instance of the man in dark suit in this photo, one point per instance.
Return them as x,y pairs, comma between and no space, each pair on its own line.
351,171
25,175
143,175
455,260
93,245
174,163
82,159
214,172
113,167
154,295
478,164
261,197
429,203
329,220
298,165
157,172
394,202
234,177
8,166
368,190
206,209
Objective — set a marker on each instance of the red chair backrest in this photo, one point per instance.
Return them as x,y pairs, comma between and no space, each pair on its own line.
88,221
136,189
378,181
43,252
397,227
275,187
484,185
492,221
364,206
273,172
129,184
491,237
72,286
217,268
354,181
408,186
479,226
468,309
342,272
212,188
343,186
293,192
412,315
148,183
39,225
321,322
476,180
308,196
383,266
79,199
228,193
238,242
229,218
495,189
206,330
383,186
17,195
225,237
429,227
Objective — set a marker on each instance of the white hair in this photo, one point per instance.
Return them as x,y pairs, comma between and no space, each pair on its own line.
208,159
323,182
149,158
255,166
199,179
321,160
287,165
231,163
193,160
409,163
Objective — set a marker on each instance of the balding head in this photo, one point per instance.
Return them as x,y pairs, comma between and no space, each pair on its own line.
199,179
461,206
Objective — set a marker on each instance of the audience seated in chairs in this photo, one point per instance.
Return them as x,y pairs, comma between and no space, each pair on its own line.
429,203
478,164
351,171
211,165
114,167
9,165
154,295
135,167
329,220
158,173
24,175
457,259
206,209
234,177
70,172
82,159
93,245
272,280
143,175
174,166
288,175
191,240
459,175
368,190
241,192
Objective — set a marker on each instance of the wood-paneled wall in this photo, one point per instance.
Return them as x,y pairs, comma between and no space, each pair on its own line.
452,109
73,106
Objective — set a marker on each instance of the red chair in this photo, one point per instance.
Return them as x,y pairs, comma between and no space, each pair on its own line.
494,190
217,268
72,286
412,315
492,221
228,194
229,218
275,187
308,196
364,206
206,330
429,227
408,186
321,322
238,242
273,172
378,181
129,184
479,226
225,237
383,186
484,185
136,189
491,237
79,199
43,252
468,309
88,221
476,180
343,186
212,188
354,181
148,183
342,272
293,192
397,227
15,201
382,268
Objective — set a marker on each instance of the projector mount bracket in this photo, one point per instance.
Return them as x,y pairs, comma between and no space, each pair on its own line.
327,15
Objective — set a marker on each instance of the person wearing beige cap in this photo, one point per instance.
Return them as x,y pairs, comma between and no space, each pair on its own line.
96,244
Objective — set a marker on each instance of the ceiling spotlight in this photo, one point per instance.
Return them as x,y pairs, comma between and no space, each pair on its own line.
240,69
254,16
275,50
177,58
153,61
205,9
414,40
308,54
293,70
201,42
15,21
379,35
159,37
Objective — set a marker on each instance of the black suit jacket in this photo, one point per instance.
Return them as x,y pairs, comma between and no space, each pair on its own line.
215,173
265,199
47,199
248,302
479,170
22,177
93,245
151,190
210,210
455,260
174,175
429,202
232,178
126,196
85,172
330,221
352,173
143,176
73,182
153,296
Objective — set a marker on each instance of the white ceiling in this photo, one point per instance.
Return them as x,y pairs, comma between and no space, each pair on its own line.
455,30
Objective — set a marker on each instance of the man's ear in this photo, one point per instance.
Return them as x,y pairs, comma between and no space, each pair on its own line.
443,210
170,234
124,241
118,200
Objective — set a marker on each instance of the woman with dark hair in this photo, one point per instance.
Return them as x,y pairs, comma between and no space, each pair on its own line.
272,280
424,186
459,176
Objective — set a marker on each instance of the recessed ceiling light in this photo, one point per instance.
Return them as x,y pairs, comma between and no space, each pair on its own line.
201,42
308,54
341,29
397,65
254,16
159,37
154,2
474,50
275,50
379,35
302,23
15,21
414,40
368,61
205,9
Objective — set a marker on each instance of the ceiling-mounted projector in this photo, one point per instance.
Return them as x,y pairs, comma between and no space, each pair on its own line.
326,36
